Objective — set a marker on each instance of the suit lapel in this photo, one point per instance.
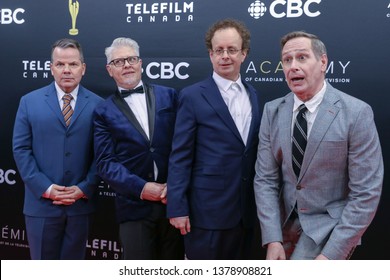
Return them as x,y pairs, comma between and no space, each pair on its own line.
255,122
82,100
213,96
327,112
125,109
286,112
151,107
52,102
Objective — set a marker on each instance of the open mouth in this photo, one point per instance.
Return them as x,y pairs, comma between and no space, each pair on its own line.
297,79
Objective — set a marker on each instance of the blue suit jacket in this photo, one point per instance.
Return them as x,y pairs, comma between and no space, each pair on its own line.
211,169
47,152
125,155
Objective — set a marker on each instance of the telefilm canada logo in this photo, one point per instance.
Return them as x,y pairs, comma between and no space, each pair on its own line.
160,12
35,69
285,8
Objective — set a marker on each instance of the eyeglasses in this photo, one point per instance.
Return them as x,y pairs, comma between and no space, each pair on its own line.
230,51
120,62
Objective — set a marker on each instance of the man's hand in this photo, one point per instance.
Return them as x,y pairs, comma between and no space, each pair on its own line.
154,191
321,257
181,223
62,195
163,195
275,251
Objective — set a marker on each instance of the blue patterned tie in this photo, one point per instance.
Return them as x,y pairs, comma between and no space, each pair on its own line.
299,140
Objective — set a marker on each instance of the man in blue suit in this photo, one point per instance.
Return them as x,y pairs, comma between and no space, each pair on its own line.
54,155
317,207
133,137
210,182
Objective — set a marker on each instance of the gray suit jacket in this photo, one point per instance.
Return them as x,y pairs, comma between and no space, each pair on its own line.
339,187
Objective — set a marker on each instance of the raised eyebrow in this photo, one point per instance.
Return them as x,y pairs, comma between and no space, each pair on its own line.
295,52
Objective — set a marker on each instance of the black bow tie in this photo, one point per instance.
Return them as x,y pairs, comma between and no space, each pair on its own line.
126,93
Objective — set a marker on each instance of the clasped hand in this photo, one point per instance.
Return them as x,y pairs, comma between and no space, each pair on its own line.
62,195
155,192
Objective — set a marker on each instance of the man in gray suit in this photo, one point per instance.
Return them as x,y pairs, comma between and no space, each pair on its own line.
318,207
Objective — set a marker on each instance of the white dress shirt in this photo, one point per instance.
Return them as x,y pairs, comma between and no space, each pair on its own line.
61,93
312,109
237,100
137,104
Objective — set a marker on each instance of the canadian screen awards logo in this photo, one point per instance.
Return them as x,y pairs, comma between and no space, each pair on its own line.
74,11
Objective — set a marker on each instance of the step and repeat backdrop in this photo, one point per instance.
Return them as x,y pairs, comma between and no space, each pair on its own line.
171,37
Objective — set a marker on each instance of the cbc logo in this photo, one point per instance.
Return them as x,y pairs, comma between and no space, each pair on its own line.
7,176
8,16
166,70
284,8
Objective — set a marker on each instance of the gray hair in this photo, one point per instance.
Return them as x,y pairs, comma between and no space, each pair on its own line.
121,42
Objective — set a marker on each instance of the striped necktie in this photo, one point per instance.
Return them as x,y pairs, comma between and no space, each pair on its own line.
299,140
67,110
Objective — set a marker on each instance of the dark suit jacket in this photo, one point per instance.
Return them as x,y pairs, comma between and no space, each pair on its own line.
211,169
125,155
47,152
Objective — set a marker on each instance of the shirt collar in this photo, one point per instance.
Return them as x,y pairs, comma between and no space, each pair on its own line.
313,103
225,84
139,84
61,93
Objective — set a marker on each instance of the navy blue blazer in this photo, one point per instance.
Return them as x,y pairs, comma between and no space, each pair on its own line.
125,155
211,169
47,152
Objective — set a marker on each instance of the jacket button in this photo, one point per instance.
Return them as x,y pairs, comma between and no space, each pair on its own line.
299,187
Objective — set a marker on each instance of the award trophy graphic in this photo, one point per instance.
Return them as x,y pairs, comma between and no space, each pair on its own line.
73,10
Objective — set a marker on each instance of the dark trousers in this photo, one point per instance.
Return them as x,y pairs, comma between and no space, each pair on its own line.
237,243
58,238
152,238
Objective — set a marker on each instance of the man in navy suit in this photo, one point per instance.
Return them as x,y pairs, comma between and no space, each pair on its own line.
133,137
210,182
54,155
